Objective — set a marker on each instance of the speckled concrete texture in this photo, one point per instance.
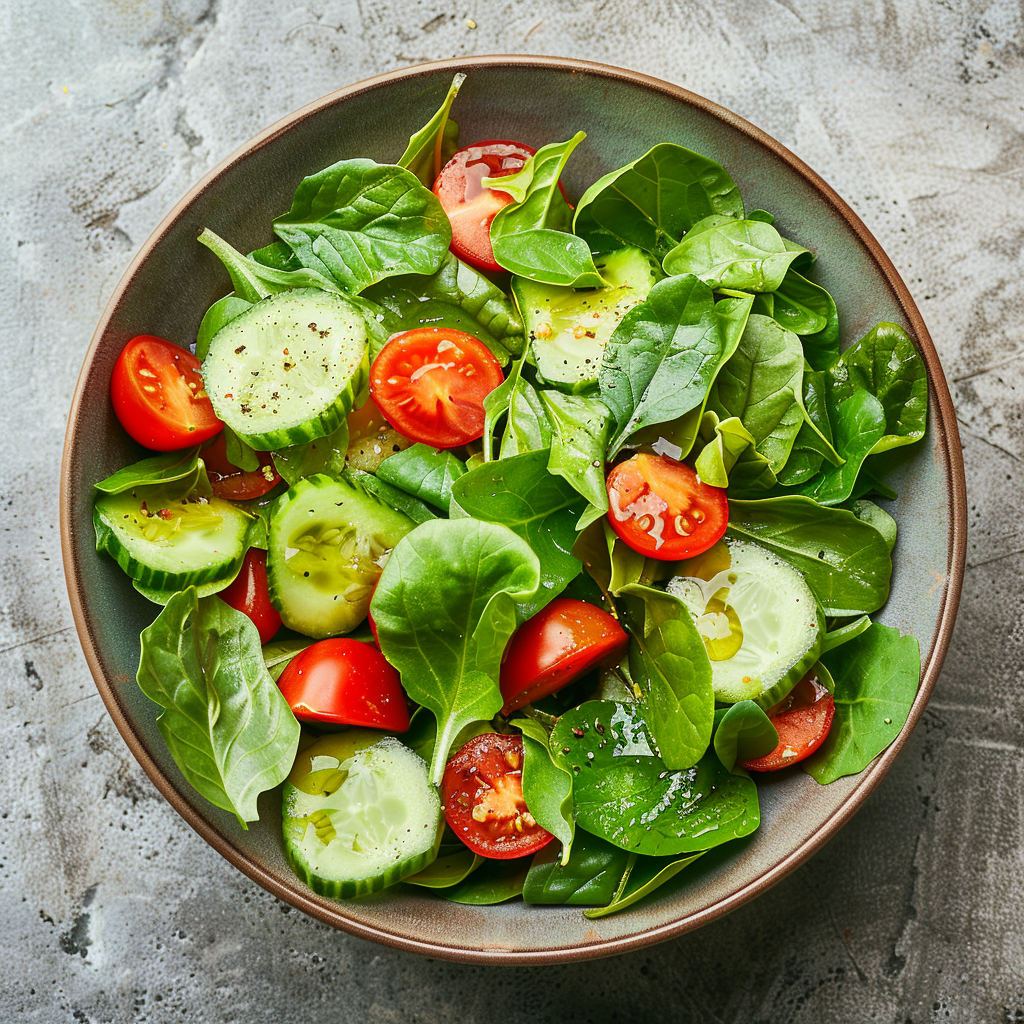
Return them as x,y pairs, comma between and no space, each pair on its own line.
111,909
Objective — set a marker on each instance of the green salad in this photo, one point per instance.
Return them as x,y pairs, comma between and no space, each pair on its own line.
514,540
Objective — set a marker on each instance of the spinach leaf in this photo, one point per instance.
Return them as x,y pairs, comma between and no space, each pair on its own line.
547,785
590,877
876,678
527,428
496,405
664,355
869,512
726,442
495,881
436,142
360,222
225,722
238,453
744,254
837,637
845,562
669,661
814,441
278,653
161,597
170,467
885,363
277,256
803,307
653,201
743,732
444,609
221,313
644,876
542,509
627,795
400,500
324,455
424,472
579,435
454,863
548,256
607,559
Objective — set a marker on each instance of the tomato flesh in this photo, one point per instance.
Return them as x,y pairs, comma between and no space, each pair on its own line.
563,641
158,396
249,594
802,720
470,206
482,795
230,482
345,682
430,384
660,509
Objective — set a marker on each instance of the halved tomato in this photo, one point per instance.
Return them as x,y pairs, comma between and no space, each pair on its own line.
802,720
230,482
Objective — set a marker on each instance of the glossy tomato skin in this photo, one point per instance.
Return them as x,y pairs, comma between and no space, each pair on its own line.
802,720
561,643
430,384
659,508
482,796
470,206
230,482
158,396
248,593
345,682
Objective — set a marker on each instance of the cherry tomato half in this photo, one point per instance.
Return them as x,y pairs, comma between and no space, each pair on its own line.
482,796
802,720
562,642
248,593
158,395
345,682
431,383
230,482
470,206
659,507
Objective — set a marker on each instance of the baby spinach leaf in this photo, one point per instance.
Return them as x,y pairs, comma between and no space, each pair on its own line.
436,142
496,405
495,881
579,435
627,795
424,472
522,495
454,863
161,597
644,876
845,562
238,453
801,306
444,609
607,559
743,732
225,722
664,355
400,500
814,441
726,441
669,661
278,653
547,785
527,428
360,222
876,678
324,455
837,637
277,255
590,877
886,363
221,313
654,200
869,512
156,471
743,254
548,256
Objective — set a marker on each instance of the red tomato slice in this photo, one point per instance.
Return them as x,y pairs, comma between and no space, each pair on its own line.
562,642
158,395
482,796
231,483
659,507
345,682
249,594
802,720
470,206
431,383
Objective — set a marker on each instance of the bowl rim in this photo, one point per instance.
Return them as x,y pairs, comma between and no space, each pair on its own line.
948,440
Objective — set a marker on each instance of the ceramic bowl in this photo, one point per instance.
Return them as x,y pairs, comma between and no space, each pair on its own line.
173,279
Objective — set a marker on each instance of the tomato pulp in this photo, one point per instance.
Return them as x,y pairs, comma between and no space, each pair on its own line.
158,395
563,641
431,383
230,482
660,509
802,720
482,795
248,593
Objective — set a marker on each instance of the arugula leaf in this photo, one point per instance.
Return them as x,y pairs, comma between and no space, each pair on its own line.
837,637
436,142
547,785
167,468
644,876
590,877
324,455
225,722
495,881
444,609
360,222
876,678
424,472
743,732
579,435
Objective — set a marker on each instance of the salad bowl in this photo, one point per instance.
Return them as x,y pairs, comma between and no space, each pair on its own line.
173,280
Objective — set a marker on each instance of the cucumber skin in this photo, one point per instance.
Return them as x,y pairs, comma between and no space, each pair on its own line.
769,698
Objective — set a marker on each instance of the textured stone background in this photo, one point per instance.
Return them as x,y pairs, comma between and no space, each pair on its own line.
111,909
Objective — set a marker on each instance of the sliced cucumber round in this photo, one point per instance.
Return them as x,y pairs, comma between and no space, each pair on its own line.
329,542
167,544
359,814
288,369
760,622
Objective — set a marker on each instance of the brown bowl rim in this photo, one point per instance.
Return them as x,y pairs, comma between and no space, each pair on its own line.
949,438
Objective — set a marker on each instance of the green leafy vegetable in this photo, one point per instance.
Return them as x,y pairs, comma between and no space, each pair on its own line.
424,472
590,877
454,864
496,405
641,879
869,512
436,142
527,428
814,441
402,501
579,436
278,653
726,441
547,785
803,307
837,637
495,881
743,733
157,471
219,315
324,455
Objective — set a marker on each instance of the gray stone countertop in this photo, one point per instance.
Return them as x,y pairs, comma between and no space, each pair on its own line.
111,908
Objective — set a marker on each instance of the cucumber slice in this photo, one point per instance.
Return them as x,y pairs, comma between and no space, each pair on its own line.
168,544
760,622
568,328
329,541
359,814
288,369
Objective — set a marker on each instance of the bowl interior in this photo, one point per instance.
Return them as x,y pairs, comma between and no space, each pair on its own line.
174,279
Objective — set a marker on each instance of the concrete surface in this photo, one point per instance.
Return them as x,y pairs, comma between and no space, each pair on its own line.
111,909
